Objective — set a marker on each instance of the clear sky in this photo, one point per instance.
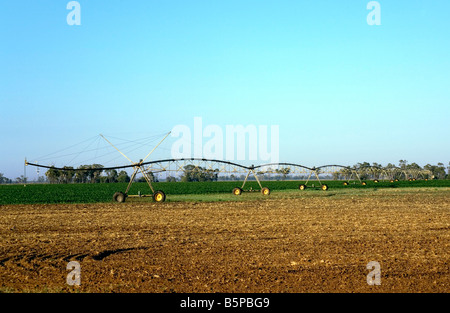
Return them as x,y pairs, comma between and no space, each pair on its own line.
340,90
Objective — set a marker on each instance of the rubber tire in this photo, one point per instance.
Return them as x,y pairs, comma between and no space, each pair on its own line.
265,191
159,196
237,191
302,187
119,197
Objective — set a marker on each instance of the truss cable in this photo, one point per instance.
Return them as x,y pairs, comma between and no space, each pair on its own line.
47,156
85,150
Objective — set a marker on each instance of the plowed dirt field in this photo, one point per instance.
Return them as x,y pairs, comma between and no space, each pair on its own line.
319,243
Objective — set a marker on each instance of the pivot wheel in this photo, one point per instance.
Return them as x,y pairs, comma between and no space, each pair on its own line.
119,197
376,181
364,183
302,187
159,196
345,183
265,191
237,191
324,187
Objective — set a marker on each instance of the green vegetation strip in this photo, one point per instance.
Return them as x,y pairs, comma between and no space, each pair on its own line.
214,191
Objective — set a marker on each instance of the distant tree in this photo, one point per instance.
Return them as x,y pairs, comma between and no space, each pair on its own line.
81,175
192,173
284,171
402,164
150,176
21,179
437,171
94,173
111,176
414,166
66,175
343,173
88,173
123,177
4,180
362,165
53,175
171,179
392,171
363,169
378,165
441,171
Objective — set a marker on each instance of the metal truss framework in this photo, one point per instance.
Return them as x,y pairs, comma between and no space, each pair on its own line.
261,173
217,167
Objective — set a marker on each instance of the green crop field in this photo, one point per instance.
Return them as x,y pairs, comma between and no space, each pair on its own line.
95,193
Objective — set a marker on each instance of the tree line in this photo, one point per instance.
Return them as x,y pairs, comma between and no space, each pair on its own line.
93,174
86,174
437,171
403,169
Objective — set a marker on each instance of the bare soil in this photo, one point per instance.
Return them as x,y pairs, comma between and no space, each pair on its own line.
314,244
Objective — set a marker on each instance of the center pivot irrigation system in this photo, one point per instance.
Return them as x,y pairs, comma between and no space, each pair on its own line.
266,171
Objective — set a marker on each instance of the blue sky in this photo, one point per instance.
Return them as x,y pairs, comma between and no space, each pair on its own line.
340,90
